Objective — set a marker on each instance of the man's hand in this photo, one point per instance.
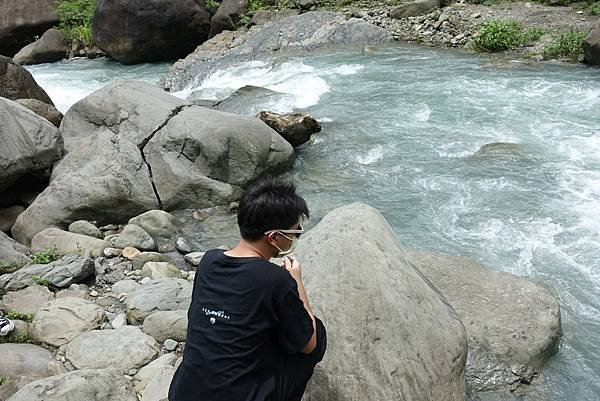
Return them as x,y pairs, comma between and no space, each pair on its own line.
291,264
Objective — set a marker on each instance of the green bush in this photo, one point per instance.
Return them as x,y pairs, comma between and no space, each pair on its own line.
42,258
593,9
4,268
40,281
21,338
212,4
500,35
3,380
567,45
75,18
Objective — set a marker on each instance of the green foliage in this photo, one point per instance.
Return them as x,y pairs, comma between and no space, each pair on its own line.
245,20
3,380
593,9
75,18
15,338
4,268
40,281
257,5
567,45
78,249
42,258
500,35
15,315
212,3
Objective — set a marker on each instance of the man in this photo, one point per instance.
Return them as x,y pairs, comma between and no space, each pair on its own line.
252,335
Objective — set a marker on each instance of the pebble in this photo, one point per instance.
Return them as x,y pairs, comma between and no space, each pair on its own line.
184,274
112,252
69,366
194,258
94,293
580,12
170,345
130,252
183,246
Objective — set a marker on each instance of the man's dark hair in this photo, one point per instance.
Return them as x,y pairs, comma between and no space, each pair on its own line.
269,204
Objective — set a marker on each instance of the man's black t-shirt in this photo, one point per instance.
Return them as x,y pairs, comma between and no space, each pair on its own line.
244,315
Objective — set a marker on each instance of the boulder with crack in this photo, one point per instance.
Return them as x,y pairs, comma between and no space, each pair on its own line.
131,148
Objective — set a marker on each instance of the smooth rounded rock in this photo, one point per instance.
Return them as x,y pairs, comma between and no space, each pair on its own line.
124,348
163,325
163,294
27,300
60,321
84,227
156,270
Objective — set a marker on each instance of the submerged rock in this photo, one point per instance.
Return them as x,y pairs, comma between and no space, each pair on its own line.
513,326
296,128
249,100
136,31
409,343
499,149
306,32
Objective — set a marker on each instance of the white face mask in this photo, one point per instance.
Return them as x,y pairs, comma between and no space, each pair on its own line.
283,253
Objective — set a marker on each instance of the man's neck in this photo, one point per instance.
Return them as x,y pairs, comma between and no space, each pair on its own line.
249,249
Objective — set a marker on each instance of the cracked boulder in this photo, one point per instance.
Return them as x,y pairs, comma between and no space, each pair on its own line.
132,147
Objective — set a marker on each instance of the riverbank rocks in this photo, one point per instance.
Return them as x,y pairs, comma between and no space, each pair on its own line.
227,16
161,227
133,148
26,360
18,83
315,30
21,22
133,236
51,47
415,8
162,325
136,31
158,388
59,321
8,217
160,270
85,228
87,384
591,47
163,294
125,349
27,300
66,242
513,326
296,128
28,143
42,109
409,345
12,254
70,269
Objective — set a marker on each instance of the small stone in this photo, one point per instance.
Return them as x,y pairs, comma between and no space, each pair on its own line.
234,206
191,276
476,15
184,274
130,252
119,321
112,252
580,12
170,345
194,258
109,227
156,270
94,293
183,246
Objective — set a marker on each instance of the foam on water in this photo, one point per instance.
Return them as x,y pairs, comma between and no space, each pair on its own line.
372,156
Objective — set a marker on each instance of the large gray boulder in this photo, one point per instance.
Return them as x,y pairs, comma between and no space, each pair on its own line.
513,326
26,360
21,21
52,46
124,348
133,148
70,269
28,143
87,384
163,294
136,31
591,46
315,30
227,16
12,254
18,83
59,321
391,334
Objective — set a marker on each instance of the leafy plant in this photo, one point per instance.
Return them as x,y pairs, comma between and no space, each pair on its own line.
567,45
15,315
40,281
245,20
593,9
4,268
212,3
15,338
78,249
500,35
42,258
257,5
75,18
3,380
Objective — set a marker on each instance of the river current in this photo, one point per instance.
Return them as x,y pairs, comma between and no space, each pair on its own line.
401,128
